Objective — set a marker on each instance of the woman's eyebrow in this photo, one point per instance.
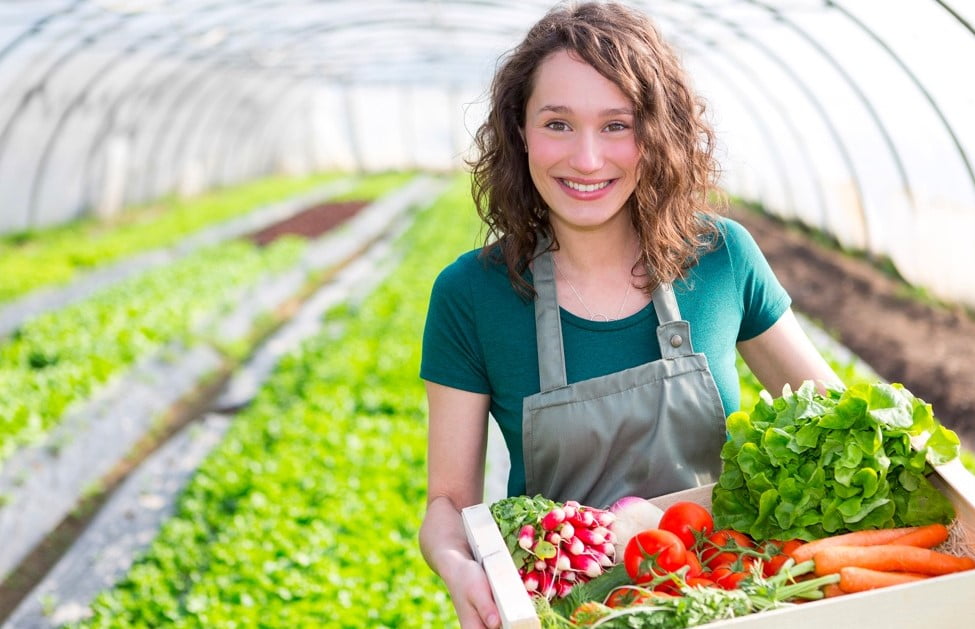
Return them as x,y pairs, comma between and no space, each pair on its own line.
562,109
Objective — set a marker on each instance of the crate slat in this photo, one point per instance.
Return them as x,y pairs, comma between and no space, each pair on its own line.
514,603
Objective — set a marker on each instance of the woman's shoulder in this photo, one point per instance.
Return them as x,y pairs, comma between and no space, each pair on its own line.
726,228
472,268
728,237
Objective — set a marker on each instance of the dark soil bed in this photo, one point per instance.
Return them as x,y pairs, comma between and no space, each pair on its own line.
929,349
310,223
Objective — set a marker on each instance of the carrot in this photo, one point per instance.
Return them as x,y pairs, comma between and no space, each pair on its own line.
891,558
832,590
853,579
924,536
857,538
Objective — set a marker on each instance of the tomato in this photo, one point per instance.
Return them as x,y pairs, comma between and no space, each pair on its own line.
728,578
694,568
668,588
687,520
627,596
723,546
780,552
653,553
703,582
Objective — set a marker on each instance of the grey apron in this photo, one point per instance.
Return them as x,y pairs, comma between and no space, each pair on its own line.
644,431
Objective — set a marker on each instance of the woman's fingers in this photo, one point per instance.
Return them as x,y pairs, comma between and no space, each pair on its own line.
473,600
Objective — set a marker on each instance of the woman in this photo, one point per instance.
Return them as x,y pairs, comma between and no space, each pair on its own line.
573,326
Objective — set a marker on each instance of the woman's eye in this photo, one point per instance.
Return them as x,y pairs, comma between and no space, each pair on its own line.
616,126
557,125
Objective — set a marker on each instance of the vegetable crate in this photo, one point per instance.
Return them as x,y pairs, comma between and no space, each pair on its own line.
938,602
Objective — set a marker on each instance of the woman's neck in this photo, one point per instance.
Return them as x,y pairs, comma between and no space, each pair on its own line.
598,251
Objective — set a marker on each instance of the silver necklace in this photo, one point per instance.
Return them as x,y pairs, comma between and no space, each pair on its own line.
595,316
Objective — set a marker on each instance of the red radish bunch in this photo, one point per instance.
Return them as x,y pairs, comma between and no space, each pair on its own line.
555,545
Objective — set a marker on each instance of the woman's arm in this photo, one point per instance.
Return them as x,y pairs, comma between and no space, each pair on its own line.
455,479
783,354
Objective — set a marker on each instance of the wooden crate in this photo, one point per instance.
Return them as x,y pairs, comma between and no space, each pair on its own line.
941,602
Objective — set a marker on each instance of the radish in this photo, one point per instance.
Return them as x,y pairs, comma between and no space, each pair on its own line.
553,519
633,514
556,545
586,565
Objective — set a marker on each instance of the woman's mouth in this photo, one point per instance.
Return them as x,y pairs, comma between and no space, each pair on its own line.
586,187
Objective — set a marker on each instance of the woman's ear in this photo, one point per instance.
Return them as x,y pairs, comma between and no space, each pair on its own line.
524,142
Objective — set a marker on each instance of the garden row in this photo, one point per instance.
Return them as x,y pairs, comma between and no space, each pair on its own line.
307,512
55,256
81,384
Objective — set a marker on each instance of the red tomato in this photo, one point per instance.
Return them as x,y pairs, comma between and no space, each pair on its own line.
727,578
703,582
687,520
780,552
694,568
723,546
653,553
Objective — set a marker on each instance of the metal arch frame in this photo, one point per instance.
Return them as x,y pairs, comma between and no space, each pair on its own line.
102,72
914,78
787,70
782,111
136,91
237,104
768,138
263,136
861,96
957,16
54,131
37,26
97,76
29,94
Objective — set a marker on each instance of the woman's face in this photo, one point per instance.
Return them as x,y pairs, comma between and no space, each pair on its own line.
582,149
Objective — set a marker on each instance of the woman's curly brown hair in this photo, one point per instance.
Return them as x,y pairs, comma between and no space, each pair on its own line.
677,170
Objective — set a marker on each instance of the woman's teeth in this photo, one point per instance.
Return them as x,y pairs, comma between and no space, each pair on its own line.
589,187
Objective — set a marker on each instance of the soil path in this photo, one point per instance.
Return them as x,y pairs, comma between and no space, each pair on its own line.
930,350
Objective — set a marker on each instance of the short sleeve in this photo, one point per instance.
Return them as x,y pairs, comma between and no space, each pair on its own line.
764,300
452,354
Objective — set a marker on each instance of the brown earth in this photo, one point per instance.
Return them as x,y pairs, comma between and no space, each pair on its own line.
310,223
929,348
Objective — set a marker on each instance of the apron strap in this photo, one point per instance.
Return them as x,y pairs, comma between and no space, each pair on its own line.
673,333
548,321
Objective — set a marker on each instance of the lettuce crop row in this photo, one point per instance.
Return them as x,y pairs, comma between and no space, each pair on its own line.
54,256
307,513
62,357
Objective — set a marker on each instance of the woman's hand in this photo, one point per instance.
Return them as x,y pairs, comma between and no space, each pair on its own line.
471,594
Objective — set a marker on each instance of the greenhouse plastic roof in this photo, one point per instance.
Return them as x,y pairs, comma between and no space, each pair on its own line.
852,116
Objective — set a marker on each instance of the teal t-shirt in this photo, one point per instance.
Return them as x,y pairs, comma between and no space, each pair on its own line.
480,333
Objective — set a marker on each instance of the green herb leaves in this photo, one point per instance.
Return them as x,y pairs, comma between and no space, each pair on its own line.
807,465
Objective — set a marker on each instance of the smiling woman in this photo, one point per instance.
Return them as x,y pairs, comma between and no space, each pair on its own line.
572,326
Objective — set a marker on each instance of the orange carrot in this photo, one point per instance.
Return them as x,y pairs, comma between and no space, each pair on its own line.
924,536
857,538
890,558
853,579
832,590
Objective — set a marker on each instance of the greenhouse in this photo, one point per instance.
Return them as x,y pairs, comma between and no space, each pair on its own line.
223,241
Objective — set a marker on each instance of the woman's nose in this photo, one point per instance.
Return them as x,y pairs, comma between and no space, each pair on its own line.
587,154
